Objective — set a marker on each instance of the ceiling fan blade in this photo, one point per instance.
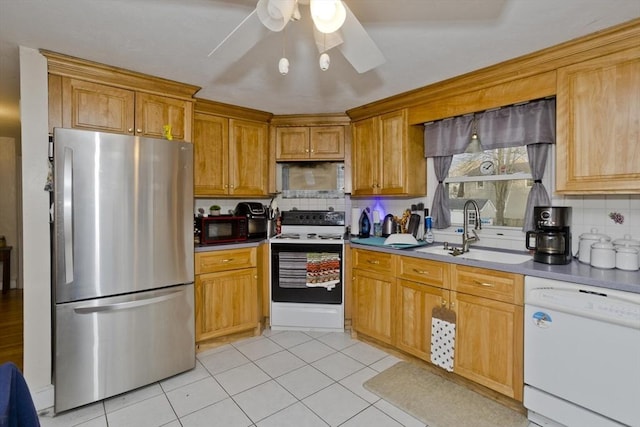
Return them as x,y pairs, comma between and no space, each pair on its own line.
325,41
359,49
235,45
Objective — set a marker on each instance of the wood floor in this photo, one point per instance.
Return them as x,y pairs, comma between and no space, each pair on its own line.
11,348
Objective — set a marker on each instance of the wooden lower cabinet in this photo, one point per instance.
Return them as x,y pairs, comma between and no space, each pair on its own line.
394,297
414,305
226,293
373,280
421,286
489,346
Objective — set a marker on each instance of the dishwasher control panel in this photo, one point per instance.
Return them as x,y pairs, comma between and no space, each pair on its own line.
587,301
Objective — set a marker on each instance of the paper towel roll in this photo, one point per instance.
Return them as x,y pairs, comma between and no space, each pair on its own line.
355,218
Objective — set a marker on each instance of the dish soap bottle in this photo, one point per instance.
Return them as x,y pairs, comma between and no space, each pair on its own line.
365,225
428,235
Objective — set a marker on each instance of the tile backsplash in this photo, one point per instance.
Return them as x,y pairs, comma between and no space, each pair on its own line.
587,212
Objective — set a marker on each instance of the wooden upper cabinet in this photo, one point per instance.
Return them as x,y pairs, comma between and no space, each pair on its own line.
310,143
97,107
153,112
248,158
211,155
292,143
364,157
98,97
230,157
388,157
105,108
598,125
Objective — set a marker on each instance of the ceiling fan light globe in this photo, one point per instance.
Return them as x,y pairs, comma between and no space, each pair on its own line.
328,15
324,61
283,66
275,14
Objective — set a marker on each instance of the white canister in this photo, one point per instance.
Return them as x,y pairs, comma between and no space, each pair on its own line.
586,240
603,254
628,241
627,258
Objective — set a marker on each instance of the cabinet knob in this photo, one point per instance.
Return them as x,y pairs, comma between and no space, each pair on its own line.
312,151
139,130
130,130
306,151
373,261
425,272
444,303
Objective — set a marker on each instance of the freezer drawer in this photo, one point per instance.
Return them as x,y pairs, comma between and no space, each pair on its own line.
111,345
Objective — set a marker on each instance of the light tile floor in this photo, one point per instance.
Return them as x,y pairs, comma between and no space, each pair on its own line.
280,379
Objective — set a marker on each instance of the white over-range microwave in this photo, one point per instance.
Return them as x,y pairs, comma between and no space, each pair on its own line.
323,180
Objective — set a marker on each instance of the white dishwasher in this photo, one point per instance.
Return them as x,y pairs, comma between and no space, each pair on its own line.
581,355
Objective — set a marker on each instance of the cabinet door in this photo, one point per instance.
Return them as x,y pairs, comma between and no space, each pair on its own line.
226,303
211,155
489,343
153,112
248,158
374,298
414,305
292,143
97,107
394,152
326,143
597,125
365,156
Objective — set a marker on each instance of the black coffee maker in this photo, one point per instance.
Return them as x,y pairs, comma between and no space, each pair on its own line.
551,240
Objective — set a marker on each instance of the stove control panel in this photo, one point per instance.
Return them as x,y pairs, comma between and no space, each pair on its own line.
296,217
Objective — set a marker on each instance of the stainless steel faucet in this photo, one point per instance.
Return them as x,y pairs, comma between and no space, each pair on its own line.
466,239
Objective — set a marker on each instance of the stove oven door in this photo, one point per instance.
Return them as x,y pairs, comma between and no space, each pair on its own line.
306,273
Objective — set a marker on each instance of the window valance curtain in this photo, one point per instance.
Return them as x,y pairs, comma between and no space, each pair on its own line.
528,124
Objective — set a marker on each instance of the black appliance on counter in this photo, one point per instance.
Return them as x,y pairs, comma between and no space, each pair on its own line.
257,218
551,240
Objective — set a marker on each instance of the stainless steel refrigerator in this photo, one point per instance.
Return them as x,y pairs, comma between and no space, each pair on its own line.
123,263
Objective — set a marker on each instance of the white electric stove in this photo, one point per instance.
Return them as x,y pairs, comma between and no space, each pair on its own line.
307,274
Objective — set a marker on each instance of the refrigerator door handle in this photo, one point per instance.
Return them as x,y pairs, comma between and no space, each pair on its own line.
67,220
90,309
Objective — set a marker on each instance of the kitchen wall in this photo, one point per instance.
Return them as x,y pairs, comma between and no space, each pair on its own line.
9,177
36,269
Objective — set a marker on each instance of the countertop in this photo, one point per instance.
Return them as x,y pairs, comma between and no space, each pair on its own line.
574,272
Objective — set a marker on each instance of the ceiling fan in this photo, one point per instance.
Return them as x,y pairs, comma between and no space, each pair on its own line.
334,26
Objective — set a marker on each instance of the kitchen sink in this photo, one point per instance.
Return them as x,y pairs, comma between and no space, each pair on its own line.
480,255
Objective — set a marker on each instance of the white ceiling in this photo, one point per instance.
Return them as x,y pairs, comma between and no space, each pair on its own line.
424,41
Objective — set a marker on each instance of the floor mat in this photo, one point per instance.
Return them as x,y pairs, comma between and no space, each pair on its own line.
439,402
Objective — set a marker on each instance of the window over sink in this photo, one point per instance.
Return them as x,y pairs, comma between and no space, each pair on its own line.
499,180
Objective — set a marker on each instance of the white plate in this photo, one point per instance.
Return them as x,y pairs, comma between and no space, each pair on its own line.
401,239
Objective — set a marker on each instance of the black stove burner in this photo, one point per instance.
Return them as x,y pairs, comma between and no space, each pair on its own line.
330,236
289,236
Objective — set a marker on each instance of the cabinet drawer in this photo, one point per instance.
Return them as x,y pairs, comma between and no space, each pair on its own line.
222,260
496,285
423,271
373,261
